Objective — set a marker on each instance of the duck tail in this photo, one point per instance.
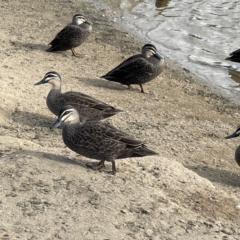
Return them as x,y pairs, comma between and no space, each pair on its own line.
143,151
50,49
110,78
149,151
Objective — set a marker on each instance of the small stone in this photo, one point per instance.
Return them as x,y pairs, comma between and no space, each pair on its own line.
123,211
130,224
227,231
144,211
118,226
149,232
94,200
94,229
238,207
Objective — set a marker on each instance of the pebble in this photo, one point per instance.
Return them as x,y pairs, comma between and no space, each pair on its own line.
123,211
117,226
94,200
94,229
227,231
130,224
238,207
149,232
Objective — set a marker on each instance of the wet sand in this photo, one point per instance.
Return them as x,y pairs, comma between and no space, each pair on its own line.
189,191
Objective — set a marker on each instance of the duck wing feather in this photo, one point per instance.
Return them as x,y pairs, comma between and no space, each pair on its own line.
83,100
65,34
109,131
130,69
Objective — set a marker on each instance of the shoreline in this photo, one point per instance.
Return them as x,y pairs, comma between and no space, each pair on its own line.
227,93
189,191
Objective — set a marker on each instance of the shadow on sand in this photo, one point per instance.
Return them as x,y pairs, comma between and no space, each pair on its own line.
84,163
216,175
32,119
99,82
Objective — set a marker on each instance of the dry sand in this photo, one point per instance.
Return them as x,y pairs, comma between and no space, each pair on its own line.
189,191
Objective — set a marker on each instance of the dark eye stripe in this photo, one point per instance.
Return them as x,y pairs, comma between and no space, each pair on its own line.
152,49
66,113
79,16
51,75
150,46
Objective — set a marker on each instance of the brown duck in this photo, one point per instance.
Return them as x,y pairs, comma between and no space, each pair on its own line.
138,69
72,36
89,108
98,140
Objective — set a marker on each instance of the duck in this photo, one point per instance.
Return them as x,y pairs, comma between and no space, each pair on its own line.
71,36
89,108
138,69
234,56
237,152
98,140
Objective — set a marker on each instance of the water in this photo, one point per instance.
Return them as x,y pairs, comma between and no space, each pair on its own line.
198,35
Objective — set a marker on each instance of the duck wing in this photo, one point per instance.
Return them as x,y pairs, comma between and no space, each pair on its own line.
132,68
109,131
83,100
68,32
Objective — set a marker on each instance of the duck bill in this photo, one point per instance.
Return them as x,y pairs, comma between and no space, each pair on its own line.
56,124
232,135
88,22
157,55
40,82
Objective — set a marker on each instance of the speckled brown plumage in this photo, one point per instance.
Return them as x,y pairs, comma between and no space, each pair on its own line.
98,140
138,69
73,35
89,108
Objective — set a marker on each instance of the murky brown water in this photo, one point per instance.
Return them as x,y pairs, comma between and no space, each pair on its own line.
197,34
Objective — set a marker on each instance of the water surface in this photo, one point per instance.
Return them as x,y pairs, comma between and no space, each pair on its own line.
198,35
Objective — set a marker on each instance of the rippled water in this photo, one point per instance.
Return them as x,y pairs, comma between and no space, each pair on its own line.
198,35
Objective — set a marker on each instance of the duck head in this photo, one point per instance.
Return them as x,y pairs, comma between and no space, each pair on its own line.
149,50
235,134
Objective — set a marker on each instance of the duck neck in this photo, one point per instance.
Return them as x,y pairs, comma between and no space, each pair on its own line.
56,90
86,27
53,99
72,126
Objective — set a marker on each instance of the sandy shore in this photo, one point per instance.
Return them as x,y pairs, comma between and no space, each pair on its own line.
189,191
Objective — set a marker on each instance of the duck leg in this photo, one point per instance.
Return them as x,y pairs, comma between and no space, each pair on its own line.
96,166
99,165
130,87
114,170
74,52
141,86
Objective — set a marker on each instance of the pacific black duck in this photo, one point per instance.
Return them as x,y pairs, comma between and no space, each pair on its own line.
73,35
234,56
237,152
98,140
138,69
89,108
